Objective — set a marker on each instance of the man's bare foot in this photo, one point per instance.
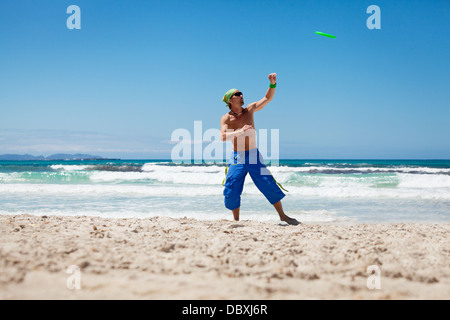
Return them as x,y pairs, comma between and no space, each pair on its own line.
290,220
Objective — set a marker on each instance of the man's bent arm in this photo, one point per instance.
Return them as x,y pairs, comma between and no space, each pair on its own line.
229,134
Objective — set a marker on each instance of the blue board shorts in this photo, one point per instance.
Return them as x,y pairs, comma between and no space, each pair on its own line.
241,163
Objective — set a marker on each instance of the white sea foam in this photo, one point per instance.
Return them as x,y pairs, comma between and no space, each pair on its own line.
308,216
420,181
196,176
62,167
409,188
331,169
116,190
11,177
313,175
369,193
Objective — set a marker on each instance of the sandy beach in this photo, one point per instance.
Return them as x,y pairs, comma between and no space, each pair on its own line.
56,257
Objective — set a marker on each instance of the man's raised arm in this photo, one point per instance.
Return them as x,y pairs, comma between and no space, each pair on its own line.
258,105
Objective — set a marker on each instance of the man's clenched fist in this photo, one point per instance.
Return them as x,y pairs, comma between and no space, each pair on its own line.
273,78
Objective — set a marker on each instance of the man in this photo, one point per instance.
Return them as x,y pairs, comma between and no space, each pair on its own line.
238,126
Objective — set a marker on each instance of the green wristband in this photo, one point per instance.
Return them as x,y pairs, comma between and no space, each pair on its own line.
273,85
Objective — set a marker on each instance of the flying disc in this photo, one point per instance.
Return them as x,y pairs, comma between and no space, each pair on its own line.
325,34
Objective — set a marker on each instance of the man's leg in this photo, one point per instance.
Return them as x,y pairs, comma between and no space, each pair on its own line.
233,188
265,182
283,216
236,214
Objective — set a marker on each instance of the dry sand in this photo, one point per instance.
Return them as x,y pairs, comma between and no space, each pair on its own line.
165,258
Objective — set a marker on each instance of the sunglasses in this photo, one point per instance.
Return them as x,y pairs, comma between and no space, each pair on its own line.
238,94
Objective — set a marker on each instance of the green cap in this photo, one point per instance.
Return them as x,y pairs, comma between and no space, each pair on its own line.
228,95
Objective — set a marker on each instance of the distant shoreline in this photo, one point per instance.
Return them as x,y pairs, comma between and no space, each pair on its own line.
92,159
53,157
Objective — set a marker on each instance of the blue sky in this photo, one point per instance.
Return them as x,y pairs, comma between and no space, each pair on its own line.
138,70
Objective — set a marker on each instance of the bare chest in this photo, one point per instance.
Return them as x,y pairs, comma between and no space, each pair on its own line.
237,122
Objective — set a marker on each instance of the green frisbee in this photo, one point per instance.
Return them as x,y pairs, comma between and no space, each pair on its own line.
325,34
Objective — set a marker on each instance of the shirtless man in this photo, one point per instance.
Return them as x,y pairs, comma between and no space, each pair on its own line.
238,126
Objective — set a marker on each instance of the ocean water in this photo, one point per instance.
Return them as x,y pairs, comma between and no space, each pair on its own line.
319,191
